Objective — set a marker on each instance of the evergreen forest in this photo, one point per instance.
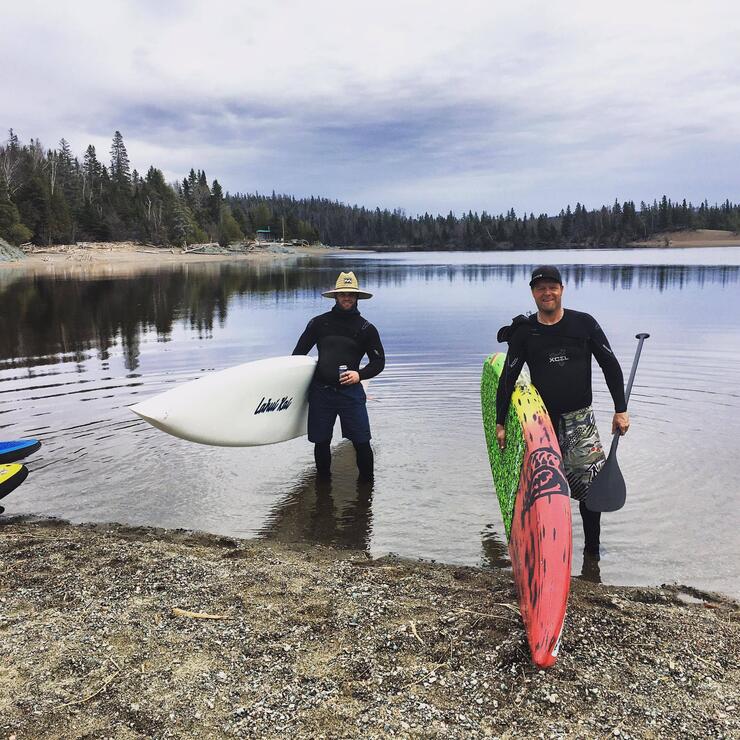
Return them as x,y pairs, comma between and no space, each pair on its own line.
51,196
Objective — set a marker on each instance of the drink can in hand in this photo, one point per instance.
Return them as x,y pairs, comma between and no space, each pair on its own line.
342,370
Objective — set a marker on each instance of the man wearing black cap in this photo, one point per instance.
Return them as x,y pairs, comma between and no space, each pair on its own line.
557,345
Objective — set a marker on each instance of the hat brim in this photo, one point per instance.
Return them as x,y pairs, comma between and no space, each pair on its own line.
359,293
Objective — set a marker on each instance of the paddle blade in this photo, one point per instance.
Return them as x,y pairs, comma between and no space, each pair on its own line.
608,490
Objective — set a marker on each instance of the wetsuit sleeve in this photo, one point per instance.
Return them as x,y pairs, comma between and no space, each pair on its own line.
375,353
513,364
307,340
609,364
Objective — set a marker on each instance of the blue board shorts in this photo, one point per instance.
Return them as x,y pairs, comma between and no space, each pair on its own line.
326,402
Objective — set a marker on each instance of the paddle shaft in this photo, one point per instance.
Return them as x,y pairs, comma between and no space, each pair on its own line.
641,337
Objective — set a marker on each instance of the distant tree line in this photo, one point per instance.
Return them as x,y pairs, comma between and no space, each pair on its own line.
50,196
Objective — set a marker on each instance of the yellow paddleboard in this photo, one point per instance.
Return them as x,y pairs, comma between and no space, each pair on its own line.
11,476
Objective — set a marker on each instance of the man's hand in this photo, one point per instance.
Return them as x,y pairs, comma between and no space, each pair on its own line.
501,436
621,422
349,377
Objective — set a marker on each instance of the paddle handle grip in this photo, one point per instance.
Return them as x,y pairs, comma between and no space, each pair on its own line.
641,337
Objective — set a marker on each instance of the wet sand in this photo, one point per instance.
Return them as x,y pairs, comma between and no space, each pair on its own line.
108,630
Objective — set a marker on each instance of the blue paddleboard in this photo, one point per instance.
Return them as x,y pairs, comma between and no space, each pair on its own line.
17,449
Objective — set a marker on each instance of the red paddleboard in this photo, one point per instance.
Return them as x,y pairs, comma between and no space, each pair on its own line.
534,497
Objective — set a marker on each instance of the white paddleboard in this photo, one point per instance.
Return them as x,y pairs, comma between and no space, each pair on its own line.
257,403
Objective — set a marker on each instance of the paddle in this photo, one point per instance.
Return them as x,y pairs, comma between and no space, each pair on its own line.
608,490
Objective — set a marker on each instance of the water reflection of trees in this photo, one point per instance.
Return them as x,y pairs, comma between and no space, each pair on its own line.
53,317
46,317
615,276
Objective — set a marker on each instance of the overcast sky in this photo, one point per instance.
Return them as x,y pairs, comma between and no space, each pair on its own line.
423,106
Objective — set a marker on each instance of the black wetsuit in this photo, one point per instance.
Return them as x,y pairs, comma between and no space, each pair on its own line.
342,338
559,360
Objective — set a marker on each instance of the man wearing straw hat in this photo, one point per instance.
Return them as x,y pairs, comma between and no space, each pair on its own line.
343,337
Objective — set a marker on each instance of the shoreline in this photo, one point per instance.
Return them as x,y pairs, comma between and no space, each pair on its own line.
121,257
698,238
132,631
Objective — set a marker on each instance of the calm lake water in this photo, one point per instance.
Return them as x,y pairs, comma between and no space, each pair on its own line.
76,350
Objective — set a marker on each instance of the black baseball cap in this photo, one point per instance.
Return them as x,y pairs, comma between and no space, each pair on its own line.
545,272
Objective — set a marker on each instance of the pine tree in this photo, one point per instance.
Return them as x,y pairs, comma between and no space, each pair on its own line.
216,201
90,174
66,169
229,230
10,162
34,207
566,223
663,214
120,167
11,227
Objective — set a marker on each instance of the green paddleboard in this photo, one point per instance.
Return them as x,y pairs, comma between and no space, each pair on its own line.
506,465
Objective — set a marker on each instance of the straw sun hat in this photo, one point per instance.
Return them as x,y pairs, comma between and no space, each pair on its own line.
347,283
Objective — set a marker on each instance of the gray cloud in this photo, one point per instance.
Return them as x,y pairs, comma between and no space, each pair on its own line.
479,107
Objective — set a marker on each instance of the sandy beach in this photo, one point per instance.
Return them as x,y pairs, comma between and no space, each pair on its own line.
695,238
119,258
113,631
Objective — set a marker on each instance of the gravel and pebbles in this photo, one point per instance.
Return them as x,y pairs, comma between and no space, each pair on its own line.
114,631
